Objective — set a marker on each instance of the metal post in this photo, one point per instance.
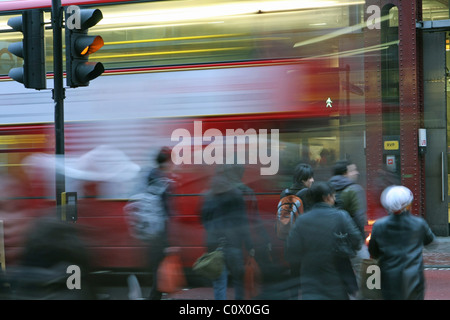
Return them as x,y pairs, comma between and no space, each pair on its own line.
58,95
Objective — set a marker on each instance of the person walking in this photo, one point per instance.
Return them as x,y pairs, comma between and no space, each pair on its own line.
53,250
158,245
226,223
351,197
312,242
258,233
303,178
397,242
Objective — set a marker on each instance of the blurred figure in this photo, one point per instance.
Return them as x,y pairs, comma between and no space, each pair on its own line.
325,156
397,242
302,180
158,246
103,171
312,242
53,252
15,217
385,178
351,194
16,214
259,235
224,217
351,197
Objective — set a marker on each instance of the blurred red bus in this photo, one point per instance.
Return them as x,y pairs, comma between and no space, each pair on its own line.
287,66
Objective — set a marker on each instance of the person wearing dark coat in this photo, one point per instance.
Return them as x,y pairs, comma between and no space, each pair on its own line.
303,178
345,175
223,214
352,198
259,235
397,242
312,241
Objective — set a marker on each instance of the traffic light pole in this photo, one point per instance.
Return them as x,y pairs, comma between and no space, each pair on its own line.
79,71
58,96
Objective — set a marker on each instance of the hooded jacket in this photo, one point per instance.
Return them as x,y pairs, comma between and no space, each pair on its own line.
353,199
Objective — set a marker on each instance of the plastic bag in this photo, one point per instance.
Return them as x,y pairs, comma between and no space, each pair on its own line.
252,278
171,276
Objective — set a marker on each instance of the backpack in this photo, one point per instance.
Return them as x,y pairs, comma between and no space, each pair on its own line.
289,208
146,212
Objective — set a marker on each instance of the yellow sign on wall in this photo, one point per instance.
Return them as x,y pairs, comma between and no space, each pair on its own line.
391,145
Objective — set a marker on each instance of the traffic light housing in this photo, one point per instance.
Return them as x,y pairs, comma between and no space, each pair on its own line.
31,49
79,45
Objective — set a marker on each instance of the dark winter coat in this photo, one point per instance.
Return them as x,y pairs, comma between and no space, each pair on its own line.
224,216
312,243
353,200
397,241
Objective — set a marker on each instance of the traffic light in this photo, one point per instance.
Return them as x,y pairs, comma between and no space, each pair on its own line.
31,49
79,45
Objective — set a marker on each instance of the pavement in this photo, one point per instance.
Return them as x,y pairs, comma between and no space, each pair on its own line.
436,258
437,254
437,272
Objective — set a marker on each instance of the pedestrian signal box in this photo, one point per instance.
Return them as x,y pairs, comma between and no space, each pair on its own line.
69,210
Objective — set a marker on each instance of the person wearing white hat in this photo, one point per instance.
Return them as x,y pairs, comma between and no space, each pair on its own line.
396,199
397,241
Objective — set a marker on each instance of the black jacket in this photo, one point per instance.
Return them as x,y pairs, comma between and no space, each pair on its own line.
397,241
312,242
223,216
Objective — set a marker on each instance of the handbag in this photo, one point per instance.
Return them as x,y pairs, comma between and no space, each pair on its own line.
343,247
171,276
210,265
370,289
